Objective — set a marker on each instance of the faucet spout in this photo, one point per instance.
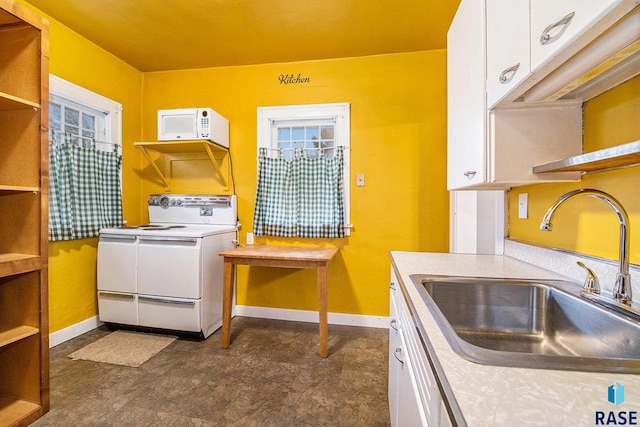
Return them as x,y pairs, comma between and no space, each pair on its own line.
622,288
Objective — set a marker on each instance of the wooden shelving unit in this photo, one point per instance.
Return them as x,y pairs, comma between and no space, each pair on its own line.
24,319
214,152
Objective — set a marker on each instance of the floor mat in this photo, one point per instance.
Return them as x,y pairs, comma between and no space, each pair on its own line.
123,348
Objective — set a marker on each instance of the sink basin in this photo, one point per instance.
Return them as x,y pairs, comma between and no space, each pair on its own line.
530,324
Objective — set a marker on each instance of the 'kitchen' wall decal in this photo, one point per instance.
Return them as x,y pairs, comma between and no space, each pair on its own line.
288,79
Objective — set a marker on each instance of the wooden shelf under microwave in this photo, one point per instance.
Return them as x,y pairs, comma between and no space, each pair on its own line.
180,147
609,158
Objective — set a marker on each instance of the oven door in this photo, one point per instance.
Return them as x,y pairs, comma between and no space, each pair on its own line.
170,266
117,278
117,263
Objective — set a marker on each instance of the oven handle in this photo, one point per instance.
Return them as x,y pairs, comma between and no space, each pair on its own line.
166,301
115,295
170,239
117,236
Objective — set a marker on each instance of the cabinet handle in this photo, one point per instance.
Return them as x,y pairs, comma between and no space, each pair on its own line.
397,354
169,239
167,301
117,236
392,286
394,324
115,295
470,174
507,75
548,35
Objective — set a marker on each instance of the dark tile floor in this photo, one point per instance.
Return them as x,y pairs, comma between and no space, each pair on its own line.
271,375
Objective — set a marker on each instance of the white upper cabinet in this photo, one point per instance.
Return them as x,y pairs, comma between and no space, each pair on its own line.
466,96
508,42
518,73
557,24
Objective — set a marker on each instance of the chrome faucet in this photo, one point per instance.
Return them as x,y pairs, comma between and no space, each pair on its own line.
622,288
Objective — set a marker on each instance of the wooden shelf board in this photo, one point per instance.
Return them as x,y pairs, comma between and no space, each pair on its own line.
12,189
10,102
13,411
14,263
172,147
608,158
11,334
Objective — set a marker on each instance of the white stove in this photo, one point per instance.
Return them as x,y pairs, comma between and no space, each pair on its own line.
167,275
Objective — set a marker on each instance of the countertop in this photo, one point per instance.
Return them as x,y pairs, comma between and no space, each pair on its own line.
505,396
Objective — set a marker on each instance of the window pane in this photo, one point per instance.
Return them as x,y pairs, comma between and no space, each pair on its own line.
88,122
326,132
72,117
55,112
313,133
284,134
73,130
298,133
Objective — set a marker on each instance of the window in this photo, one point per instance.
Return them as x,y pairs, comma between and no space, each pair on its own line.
88,119
84,162
311,131
83,124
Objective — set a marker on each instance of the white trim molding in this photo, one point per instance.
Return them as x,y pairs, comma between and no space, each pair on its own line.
73,331
312,316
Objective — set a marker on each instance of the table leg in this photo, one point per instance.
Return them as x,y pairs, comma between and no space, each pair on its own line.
227,299
322,309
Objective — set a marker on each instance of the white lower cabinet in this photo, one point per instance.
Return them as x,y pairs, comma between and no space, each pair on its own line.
414,397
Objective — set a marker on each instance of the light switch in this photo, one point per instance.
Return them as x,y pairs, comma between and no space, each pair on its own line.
360,180
523,205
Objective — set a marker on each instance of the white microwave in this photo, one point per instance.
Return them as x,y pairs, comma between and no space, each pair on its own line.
193,124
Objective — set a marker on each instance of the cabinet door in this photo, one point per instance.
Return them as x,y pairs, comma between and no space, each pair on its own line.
507,47
117,263
394,366
466,131
410,409
556,24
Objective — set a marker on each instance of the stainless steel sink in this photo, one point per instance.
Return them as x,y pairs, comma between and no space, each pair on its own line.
530,324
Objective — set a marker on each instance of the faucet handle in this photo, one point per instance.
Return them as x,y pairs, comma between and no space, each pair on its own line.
591,283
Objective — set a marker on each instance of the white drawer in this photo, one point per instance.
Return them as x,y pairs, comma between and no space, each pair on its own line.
118,307
169,313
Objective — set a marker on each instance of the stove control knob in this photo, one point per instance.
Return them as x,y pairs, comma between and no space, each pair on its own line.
164,201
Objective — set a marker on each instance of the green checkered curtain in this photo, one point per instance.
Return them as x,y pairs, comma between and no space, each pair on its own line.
84,191
303,197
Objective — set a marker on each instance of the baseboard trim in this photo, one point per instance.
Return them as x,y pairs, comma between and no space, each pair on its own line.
361,320
58,337
312,316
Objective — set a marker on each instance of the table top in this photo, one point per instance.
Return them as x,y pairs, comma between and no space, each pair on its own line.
290,253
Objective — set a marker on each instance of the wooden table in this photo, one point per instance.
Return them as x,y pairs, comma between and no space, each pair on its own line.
277,256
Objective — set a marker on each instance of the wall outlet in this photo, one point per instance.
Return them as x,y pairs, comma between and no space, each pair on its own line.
523,205
249,238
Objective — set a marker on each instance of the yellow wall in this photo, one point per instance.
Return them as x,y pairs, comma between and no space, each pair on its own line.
398,140
584,224
72,264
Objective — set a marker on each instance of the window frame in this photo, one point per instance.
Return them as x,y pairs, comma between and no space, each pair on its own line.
339,113
112,111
